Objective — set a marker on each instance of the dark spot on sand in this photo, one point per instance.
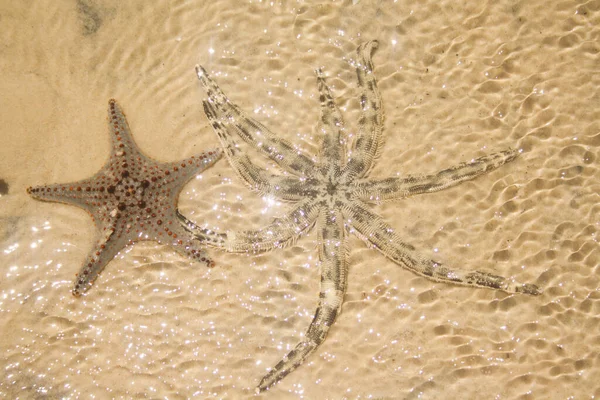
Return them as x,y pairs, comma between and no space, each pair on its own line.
3,187
89,16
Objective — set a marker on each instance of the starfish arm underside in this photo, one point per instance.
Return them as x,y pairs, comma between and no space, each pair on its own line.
283,187
334,270
367,146
375,232
253,132
282,232
331,126
401,187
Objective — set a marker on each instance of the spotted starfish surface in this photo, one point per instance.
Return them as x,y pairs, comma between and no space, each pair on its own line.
132,198
332,193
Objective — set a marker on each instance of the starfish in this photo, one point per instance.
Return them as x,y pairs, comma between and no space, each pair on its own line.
131,198
332,193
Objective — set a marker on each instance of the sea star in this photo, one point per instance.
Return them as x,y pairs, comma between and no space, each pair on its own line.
332,194
131,198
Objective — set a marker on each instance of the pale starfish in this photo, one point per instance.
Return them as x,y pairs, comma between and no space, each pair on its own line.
131,198
333,194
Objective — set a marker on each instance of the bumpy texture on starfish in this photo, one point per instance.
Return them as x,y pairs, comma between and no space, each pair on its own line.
332,194
131,198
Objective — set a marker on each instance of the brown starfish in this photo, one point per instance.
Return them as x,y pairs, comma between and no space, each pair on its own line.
131,198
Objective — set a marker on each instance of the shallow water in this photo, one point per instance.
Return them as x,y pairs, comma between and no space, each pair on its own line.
457,81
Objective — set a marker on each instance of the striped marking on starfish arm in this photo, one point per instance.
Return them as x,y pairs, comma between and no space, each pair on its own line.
368,143
284,187
401,187
374,231
282,232
253,132
331,126
334,278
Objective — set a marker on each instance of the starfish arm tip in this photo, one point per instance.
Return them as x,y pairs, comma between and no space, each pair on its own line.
43,193
530,289
201,72
266,382
80,287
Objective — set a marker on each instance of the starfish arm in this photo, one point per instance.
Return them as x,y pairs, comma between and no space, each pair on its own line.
253,132
87,193
375,232
180,172
187,244
331,125
334,270
283,187
82,193
106,249
120,134
205,236
367,145
396,188
282,232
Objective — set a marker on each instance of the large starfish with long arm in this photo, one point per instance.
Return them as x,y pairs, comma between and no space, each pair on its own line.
332,194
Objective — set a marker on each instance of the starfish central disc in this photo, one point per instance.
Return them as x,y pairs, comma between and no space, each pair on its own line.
332,188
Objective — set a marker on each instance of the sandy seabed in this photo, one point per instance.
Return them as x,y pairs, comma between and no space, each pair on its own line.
457,81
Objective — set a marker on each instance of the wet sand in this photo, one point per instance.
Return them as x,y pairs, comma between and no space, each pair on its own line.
457,82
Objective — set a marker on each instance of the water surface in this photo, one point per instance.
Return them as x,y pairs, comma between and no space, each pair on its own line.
457,81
